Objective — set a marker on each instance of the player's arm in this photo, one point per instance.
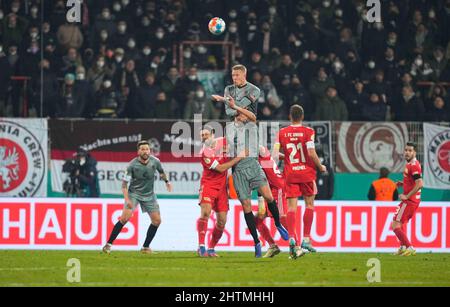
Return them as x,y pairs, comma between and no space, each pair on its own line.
221,168
417,186
276,152
251,117
163,176
125,181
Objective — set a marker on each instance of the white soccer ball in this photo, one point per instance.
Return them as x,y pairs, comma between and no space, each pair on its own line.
217,26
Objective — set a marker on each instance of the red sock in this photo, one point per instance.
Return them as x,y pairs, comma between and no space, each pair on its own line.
291,224
202,225
402,237
216,235
264,231
307,222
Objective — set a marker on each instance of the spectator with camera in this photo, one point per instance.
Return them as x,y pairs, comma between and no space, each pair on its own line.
83,180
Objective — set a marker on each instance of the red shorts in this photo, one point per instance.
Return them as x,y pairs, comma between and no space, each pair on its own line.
218,199
405,211
294,190
280,198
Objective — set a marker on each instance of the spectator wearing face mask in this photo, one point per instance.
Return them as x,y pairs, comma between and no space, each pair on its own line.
50,93
29,64
105,21
99,72
232,35
199,103
308,67
300,95
109,103
160,39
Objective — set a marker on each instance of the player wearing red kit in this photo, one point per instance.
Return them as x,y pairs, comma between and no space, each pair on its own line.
300,162
276,184
213,193
412,184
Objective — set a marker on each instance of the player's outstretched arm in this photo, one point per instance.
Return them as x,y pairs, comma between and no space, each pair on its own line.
313,154
125,194
221,168
250,116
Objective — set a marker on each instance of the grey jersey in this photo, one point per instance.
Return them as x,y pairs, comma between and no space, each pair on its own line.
240,137
245,97
141,177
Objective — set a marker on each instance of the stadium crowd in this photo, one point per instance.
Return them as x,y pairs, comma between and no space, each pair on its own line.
321,54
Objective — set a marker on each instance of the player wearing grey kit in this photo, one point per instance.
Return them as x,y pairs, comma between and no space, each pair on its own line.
137,188
241,105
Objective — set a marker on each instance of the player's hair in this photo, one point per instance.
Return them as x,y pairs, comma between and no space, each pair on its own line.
209,128
142,143
296,113
412,144
240,67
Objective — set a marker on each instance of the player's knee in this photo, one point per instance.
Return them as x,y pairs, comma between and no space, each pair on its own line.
156,222
124,219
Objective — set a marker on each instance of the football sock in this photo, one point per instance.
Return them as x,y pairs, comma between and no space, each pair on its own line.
215,238
264,231
291,225
202,225
150,235
251,225
115,232
402,237
273,208
307,222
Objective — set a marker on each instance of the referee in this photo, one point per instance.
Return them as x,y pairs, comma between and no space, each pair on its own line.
137,188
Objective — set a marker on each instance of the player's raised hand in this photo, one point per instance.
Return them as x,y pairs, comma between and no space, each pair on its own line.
169,187
218,98
231,102
244,154
323,169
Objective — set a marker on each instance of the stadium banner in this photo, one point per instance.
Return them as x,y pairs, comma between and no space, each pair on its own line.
367,147
23,157
437,157
85,224
113,145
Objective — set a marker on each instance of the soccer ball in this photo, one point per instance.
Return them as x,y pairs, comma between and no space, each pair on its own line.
217,26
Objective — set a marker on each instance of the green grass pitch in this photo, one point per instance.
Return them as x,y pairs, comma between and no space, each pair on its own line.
49,268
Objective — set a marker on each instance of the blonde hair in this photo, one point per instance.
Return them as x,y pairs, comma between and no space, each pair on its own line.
240,67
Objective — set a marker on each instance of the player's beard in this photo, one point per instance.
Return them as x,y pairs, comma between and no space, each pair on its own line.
144,157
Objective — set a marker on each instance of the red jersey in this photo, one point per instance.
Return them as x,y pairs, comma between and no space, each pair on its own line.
211,158
270,168
298,165
412,170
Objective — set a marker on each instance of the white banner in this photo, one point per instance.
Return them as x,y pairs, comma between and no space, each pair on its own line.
185,177
23,157
85,224
437,156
